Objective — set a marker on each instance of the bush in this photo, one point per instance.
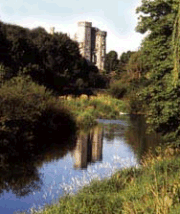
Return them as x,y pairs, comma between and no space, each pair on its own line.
86,119
21,98
118,89
26,107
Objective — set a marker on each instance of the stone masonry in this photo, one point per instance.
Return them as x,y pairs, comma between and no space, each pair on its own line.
92,44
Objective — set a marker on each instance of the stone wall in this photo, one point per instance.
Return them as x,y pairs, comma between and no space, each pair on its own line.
92,43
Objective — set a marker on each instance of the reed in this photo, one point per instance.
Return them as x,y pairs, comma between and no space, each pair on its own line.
101,106
152,187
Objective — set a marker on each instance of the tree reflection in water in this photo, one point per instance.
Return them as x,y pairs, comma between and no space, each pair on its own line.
139,139
20,159
112,131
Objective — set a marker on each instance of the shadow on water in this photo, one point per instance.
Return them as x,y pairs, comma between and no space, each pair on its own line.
25,146
114,131
137,136
22,155
133,130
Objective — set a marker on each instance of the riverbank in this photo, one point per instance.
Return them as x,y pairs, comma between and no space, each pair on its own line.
102,106
22,100
153,187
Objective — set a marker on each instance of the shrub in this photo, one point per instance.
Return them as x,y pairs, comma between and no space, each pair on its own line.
118,89
26,107
86,119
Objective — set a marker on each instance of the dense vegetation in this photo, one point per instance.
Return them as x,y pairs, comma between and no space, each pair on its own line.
147,78
86,111
51,60
150,78
35,68
30,119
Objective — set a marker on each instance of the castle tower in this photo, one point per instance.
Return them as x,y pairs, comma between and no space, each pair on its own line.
100,49
92,44
52,29
83,37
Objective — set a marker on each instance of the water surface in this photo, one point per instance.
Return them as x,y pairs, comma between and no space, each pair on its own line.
59,169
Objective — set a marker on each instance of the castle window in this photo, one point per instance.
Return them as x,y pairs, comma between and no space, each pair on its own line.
94,58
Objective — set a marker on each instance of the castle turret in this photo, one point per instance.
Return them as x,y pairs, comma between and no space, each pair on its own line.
101,49
83,37
52,29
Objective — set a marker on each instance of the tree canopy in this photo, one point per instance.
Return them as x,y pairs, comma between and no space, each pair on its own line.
162,98
111,61
51,60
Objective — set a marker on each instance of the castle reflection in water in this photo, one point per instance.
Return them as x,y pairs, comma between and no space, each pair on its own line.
88,148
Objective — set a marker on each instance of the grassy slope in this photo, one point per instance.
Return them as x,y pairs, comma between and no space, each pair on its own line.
152,188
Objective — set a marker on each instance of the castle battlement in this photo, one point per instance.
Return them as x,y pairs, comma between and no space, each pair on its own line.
102,33
85,24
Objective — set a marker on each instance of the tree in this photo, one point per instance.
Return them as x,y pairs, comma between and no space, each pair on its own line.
123,61
176,46
111,61
161,97
135,65
51,60
4,46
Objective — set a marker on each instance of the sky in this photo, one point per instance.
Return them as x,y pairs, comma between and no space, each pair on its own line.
117,17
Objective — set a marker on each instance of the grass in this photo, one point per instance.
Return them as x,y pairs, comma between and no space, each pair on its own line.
153,187
86,111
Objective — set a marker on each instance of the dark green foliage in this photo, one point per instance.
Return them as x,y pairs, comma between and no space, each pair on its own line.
160,96
28,111
51,60
123,61
118,89
150,78
4,46
111,61
129,79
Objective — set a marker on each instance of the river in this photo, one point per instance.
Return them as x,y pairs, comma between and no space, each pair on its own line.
95,154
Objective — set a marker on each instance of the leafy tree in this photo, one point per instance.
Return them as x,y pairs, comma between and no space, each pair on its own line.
51,60
111,61
135,65
4,46
158,18
123,61
176,46
23,52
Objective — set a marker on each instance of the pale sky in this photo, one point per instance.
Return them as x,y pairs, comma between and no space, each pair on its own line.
117,17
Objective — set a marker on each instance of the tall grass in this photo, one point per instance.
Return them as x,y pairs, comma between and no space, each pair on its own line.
153,187
87,110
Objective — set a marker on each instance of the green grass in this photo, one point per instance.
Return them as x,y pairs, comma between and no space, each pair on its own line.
101,107
152,188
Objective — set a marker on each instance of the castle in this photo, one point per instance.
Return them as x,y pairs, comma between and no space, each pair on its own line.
92,43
